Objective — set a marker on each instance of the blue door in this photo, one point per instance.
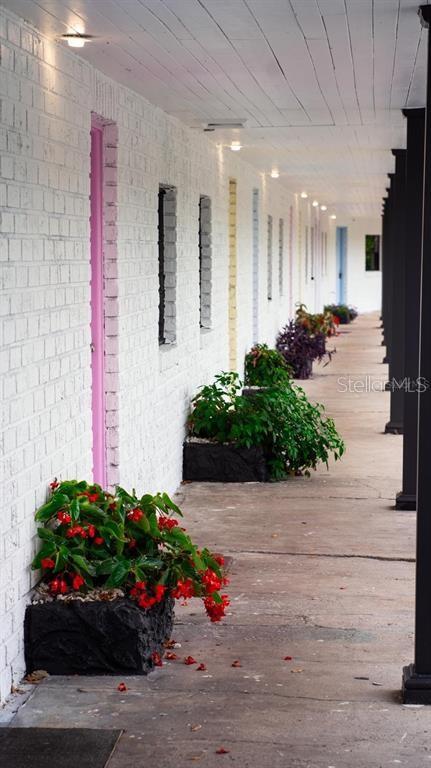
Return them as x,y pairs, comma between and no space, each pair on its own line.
341,264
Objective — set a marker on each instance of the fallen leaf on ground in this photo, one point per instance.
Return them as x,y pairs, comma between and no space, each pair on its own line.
236,663
37,676
222,751
171,656
169,643
190,660
122,687
296,670
201,668
196,727
288,658
157,659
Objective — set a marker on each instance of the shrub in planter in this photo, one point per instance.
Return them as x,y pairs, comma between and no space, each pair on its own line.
265,367
294,434
300,348
322,322
340,311
353,313
105,556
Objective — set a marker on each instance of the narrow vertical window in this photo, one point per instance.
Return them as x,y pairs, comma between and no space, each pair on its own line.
205,262
255,226
269,257
167,264
281,256
372,253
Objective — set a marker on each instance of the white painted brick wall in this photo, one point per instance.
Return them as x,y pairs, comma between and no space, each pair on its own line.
47,95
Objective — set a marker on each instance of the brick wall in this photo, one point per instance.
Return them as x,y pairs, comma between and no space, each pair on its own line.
47,97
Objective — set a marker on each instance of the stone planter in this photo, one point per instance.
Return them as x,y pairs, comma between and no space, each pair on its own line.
223,463
304,371
95,638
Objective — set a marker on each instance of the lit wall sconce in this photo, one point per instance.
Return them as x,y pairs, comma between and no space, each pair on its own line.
333,216
304,195
323,207
76,39
274,174
315,203
236,146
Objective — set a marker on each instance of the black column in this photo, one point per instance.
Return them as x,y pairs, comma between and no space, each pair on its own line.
388,268
406,499
396,339
417,676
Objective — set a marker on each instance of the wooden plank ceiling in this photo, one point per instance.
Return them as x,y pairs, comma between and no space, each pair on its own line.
320,83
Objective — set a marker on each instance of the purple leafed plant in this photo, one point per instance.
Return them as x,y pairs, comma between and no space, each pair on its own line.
300,348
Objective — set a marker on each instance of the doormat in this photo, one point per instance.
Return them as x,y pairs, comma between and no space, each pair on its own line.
56,747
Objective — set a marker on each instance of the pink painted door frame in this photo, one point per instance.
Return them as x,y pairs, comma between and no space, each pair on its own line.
97,306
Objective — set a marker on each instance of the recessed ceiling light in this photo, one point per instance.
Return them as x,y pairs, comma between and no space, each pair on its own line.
304,195
76,39
323,207
315,203
274,174
236,146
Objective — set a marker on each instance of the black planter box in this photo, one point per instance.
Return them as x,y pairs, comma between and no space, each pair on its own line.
223,463
95,638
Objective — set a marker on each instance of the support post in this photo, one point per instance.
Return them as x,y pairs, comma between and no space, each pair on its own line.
416,687
396,350
406,499
388,268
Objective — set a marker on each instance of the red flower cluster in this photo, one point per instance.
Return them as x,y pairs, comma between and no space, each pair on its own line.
135,515
184,590
76,530
60,586
212,582
146,598
63,517
47,563
167,523
54,485
216,611
92,497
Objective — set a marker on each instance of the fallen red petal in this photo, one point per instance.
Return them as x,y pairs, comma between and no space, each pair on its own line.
236,663
171,656
288,658
222,751
122,687
190,660
201,668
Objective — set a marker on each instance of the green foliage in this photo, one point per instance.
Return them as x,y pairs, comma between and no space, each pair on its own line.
265,367
116,540
321,322
295,434
340,311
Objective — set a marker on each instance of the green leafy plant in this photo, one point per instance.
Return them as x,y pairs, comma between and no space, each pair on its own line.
321,322
265,367
295,434
92,538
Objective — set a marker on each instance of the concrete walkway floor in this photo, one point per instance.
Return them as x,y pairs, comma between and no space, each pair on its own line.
323,572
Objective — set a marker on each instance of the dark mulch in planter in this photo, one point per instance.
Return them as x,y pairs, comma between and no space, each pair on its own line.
223,463
56,747
95,638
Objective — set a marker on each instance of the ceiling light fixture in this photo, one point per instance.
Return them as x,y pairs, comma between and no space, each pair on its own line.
315,203
236,146
333,216
323,207
304,195
76,39
274,174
